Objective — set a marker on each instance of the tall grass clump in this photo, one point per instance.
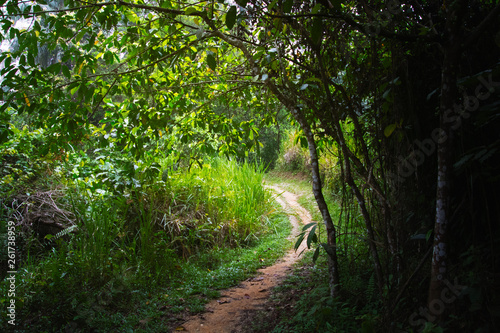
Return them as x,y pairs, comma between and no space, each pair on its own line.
223,203
99,222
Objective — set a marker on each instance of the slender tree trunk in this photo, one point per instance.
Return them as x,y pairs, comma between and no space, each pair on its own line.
440,251
289,103
320,200
371,234
448,123
348,171
333,265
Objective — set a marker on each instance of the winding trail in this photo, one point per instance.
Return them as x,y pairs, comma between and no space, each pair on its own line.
226,314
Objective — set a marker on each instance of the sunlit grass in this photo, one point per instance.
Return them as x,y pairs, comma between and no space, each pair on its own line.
186,236
228,197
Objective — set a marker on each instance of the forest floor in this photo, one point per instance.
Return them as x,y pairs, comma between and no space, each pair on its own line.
234,310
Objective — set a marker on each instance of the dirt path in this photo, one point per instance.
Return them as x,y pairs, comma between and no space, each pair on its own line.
226,313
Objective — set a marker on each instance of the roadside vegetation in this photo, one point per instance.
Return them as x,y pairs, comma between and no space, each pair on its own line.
302,302
109,243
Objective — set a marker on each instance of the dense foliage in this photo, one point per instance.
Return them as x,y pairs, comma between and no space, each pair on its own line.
399,99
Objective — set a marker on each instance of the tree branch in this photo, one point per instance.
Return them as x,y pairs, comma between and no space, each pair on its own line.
363,27
474,35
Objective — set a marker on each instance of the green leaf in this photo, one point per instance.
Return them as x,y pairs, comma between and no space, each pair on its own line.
7,60
211,61
54,68
386,93
312,237
317,30
389,129
307,226
271,5
316,254
316,8
108,58
428,235
190,10
66,72
303,142
231,17
287,6
80,35
31,60
299,241
165,4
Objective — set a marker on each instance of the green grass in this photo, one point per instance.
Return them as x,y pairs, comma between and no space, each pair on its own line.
128,303
302,304
139,261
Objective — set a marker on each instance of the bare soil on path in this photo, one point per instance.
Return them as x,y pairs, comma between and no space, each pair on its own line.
226,314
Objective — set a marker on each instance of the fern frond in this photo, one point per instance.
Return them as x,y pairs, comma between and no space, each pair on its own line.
370,288
64,232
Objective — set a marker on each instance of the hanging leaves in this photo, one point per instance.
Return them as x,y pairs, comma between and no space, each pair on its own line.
231,17
211,61
316,30
26,99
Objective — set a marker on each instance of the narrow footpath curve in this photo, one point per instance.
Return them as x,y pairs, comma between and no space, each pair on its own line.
225,314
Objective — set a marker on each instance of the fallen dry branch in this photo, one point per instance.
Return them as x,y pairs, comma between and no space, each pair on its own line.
40,212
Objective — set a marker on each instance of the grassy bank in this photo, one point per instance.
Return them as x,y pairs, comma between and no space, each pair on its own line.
140,259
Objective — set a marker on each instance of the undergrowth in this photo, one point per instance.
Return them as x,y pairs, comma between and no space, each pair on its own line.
138,257
302,303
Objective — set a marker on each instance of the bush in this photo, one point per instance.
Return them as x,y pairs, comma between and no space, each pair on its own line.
20,160
293,156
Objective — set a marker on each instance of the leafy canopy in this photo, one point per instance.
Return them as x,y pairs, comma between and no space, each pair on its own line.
126,73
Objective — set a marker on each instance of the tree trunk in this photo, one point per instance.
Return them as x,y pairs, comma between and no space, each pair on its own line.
448,122
291,105
320,200
339,136
333,265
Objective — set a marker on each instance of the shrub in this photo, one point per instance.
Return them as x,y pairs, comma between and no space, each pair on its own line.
293,156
